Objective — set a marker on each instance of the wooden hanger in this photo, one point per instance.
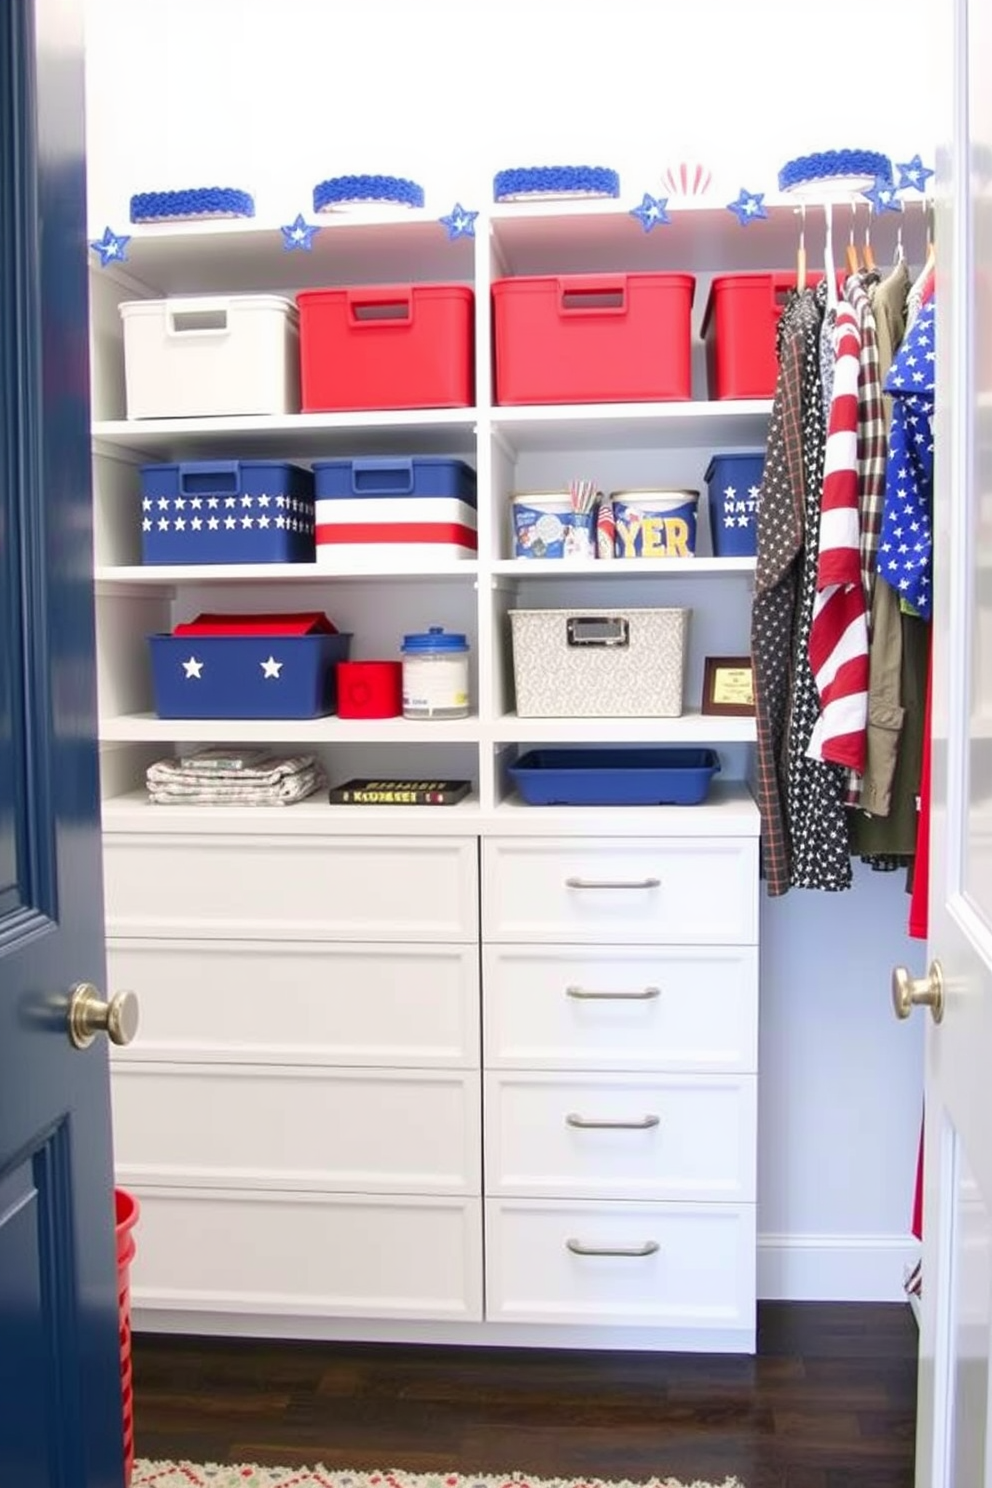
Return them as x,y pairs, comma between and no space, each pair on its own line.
853,262
869,255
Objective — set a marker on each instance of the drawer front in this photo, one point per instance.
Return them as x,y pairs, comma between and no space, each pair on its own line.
348,1131
616,1008
309,1255
649,1265
279,1002
301,888
682,891
621,1136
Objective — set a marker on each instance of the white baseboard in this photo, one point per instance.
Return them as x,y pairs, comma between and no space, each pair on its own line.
834,1268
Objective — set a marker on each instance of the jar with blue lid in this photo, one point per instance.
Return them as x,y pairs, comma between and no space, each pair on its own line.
435,674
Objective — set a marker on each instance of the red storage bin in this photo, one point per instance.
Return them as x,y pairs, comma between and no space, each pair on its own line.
386,346
739,326
593,338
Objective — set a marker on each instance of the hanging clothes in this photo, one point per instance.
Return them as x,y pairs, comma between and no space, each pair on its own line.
773,613
839,629
906,546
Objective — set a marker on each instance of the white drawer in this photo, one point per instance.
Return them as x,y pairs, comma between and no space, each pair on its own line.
679,1265
301,887
616,1008
280,1002
308,1255
679,890
348,1131
621,1136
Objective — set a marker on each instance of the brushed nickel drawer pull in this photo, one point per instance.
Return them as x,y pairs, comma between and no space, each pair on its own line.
649,1248
574,1119
613,883
583,995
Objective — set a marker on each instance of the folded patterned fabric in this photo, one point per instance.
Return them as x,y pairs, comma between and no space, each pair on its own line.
227,778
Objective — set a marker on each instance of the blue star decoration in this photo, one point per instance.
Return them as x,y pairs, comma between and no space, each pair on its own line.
460,222
913,176
749,206
112,247
882,196
298,234
651,212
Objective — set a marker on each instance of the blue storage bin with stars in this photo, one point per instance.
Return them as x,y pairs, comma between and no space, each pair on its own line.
227,511
734,485
248,666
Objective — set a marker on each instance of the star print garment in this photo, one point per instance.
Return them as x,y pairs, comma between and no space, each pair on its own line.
906,546
817,817
779,543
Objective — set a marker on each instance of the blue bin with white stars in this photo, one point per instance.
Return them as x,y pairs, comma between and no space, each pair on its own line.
250,676
227,511
734,485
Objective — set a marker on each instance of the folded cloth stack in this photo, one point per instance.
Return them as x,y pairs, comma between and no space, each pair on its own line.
225,777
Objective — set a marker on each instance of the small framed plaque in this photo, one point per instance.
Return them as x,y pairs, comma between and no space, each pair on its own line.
728,686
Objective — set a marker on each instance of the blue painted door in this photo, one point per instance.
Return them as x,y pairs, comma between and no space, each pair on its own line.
60,1382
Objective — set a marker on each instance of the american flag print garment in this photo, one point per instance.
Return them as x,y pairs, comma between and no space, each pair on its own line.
838,642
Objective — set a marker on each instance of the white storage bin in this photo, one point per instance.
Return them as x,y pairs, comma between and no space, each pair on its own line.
211,355
599,663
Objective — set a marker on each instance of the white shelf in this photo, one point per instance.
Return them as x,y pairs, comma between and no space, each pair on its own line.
171,576
596,568
729,810
133,812
299,435
146,728
354,246
583,237
691,728
702,424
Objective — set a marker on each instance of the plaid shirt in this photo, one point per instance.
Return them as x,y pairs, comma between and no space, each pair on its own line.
773,615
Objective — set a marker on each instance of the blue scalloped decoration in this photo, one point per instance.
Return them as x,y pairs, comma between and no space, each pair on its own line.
545,180
201,201
831,163
343,190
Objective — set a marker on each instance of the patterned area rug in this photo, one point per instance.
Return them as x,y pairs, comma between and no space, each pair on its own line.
208,1475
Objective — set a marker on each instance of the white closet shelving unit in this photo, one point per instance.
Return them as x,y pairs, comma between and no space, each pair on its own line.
367,1031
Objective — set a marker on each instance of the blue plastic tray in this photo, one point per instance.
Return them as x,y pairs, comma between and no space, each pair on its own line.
427,475
657,776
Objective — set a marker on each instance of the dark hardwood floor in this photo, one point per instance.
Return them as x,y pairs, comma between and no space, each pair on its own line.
828,1402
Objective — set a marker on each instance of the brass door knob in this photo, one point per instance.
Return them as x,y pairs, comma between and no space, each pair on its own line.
909,992
90,1015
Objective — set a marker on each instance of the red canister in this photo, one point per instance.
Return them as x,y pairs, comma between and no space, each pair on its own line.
370,689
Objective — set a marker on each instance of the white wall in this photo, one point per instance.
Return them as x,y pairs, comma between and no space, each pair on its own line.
275,95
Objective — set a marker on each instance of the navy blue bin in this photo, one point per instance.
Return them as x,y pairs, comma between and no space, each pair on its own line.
254,676
662,775
227,511
421,476
734,482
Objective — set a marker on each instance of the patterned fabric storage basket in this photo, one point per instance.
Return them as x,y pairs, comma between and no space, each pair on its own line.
248,666
226,511
211,355
599,663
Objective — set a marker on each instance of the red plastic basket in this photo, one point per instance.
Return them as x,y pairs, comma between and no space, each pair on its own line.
387,346
593,338
127,1211
742,316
